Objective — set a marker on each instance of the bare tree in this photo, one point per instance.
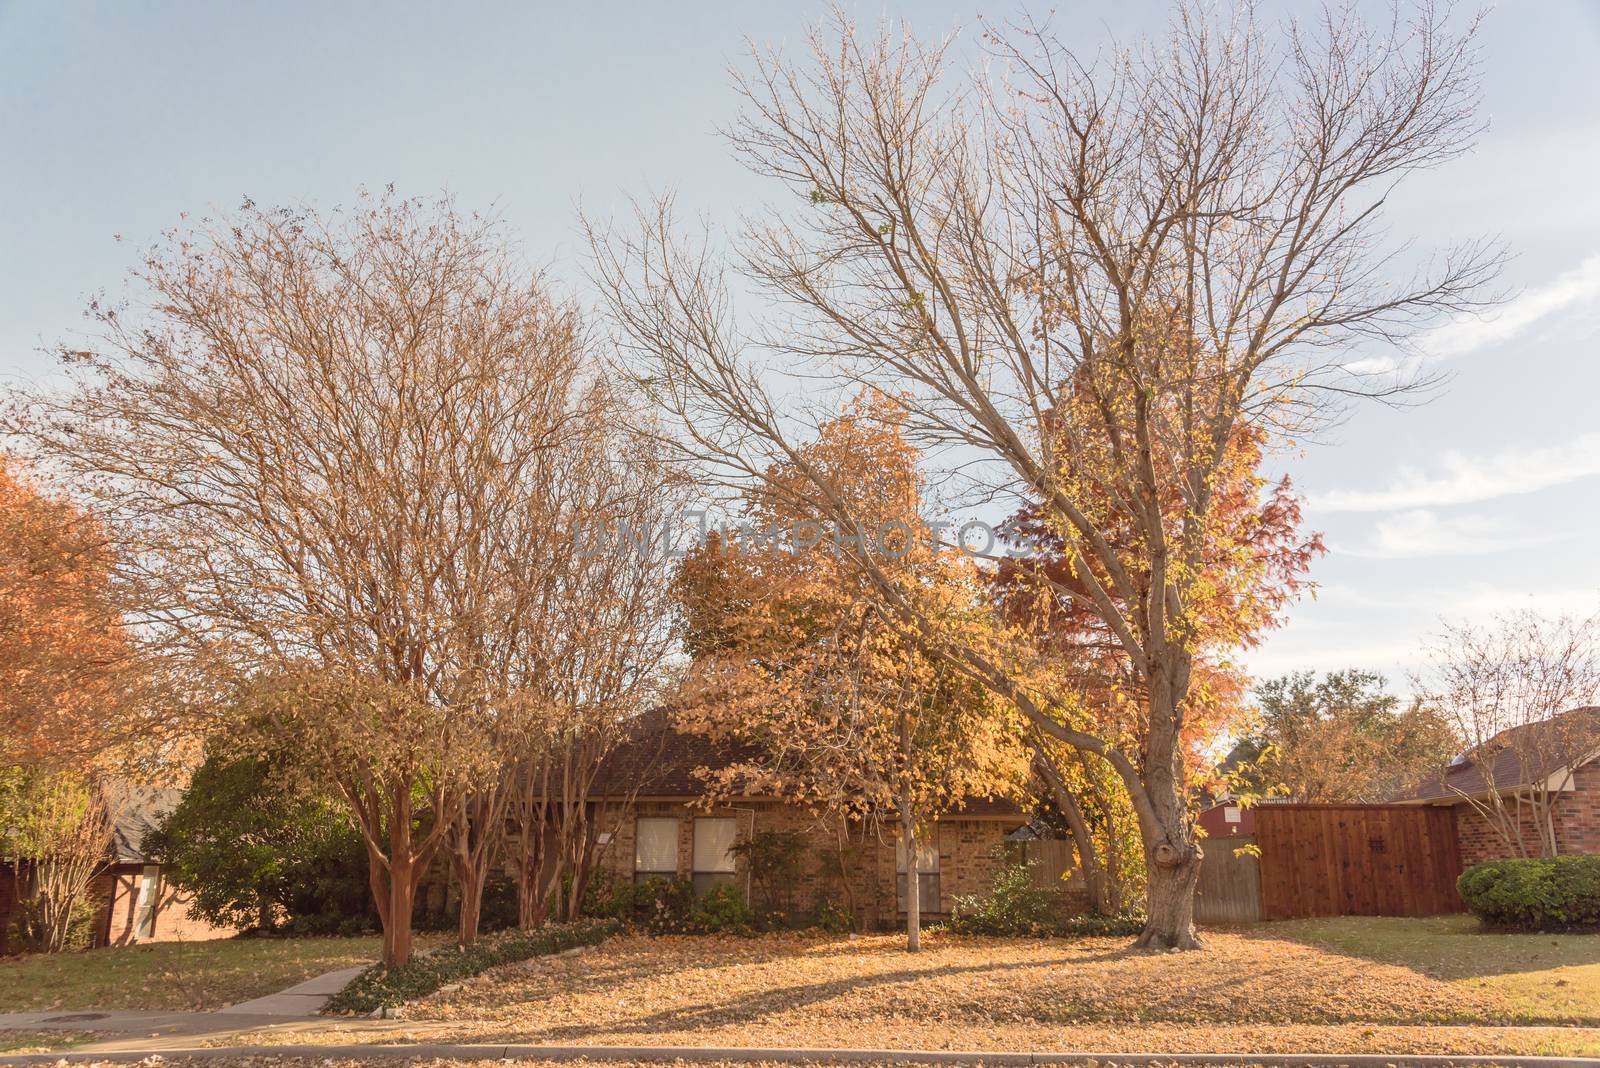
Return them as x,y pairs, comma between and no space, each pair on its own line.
1091,283
1519,691
320,446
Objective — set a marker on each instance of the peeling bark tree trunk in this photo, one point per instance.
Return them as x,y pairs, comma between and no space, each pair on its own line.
401,899
474,840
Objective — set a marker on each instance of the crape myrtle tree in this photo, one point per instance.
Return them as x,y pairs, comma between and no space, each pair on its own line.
56,825
599,663
319,442
794,660
1086,278
581,655
1520,690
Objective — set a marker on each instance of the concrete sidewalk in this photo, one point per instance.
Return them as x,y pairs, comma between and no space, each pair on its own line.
154,1031
302,999
703,1054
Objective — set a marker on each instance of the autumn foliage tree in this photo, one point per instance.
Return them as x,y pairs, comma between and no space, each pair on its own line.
1253,562
1341,738
796,659
322,443
68,687
1088,281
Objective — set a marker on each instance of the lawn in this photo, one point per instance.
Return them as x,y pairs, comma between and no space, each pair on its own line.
174,975
1534,976
1263,990
20,1042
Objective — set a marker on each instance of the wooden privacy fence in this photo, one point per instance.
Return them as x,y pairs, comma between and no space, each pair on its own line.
1315,860
1229,887
1332,860
1356,860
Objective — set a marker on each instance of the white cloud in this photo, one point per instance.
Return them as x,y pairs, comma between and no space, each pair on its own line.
1466,479
1576,289
1421,533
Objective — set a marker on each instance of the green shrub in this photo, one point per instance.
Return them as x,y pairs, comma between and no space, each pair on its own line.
1550,894
662,905
426,972
774,861
722,909
254,847
1012,906
1090,925
609,896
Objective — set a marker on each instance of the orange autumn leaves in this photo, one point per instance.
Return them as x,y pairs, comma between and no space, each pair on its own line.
62,648
797,658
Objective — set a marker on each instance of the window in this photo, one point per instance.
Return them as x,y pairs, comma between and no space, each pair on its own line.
713,851
927,875
149,888
655,849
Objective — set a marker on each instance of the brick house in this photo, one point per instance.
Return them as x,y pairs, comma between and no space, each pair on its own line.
1571,769
654,818
132,902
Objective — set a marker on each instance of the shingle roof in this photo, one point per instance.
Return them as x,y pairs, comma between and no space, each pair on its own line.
1575,734
655,759
137,809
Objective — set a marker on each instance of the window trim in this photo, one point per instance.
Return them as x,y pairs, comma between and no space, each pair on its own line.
928,878
677,847
705,878
147,888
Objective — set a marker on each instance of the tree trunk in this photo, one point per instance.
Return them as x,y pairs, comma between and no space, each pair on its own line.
1094,875
1171,851
472,880
1169,905
908,833
397,916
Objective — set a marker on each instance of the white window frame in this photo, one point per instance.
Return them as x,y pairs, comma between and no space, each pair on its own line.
148,889
706,870
657,823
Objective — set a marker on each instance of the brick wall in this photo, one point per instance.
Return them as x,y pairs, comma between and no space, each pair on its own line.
967,854
1576,816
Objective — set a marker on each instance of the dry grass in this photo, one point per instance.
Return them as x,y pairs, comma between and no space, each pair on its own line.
20,1042
1248,993
1535,976
425,1062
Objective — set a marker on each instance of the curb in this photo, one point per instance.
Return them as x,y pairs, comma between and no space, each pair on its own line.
703,1054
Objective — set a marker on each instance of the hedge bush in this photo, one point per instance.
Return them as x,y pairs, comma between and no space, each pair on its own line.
1548,894
1013,905
426,972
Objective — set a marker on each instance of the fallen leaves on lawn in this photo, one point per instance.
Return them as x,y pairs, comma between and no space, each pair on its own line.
637,985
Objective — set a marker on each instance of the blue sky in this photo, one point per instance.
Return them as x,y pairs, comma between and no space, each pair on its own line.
117,118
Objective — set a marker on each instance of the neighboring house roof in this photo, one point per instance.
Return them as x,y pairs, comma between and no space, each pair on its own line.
1575,737
137,809
655,759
